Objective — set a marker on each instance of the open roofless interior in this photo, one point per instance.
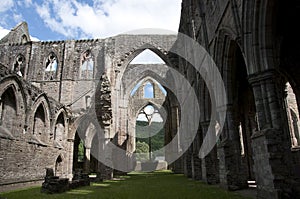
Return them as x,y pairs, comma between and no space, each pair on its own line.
218,102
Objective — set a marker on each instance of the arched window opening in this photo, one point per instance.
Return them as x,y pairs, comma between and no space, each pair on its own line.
51,63
24,39
295,125
87,65
58,166
81,150
59,131
136,88
163,90
147,57
245,123
149,134
8,108
241,139
19,65
149,90
51,66
39,125
293,115
78,153
87,101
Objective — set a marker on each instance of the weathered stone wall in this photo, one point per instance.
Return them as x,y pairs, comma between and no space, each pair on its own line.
59,82
251,45
257,37
22,161
29,140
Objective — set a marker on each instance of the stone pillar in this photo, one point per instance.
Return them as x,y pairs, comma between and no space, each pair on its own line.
178,166
209,164
175,149
104,171
187,158
196,161
86,166
270,144
103,108
107,172
70,151
233,174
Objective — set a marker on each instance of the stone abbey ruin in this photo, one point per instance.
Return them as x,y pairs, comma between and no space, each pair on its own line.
60,96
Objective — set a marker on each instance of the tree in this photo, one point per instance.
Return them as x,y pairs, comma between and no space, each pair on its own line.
142,151
80,151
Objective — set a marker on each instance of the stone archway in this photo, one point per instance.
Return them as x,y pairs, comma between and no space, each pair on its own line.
58,166
235,144
78,153
8,111
130,75
12,108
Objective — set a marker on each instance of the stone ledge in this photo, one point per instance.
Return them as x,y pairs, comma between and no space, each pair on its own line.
19,182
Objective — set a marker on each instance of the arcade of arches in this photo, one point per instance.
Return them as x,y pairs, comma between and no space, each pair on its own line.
68,104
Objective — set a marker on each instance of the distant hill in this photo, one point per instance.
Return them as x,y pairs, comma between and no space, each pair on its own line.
156,132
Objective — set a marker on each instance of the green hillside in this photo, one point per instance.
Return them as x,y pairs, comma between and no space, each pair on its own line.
155,131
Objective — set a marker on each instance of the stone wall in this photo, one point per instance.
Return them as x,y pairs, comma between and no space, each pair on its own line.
22,161
250,43
28,141
56,85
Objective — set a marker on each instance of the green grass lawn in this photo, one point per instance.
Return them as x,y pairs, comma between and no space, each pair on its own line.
156,185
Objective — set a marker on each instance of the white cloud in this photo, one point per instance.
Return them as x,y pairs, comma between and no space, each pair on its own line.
18,17
108,18
3,32
156,118
28,3
6,5
147,57
142,117
34,38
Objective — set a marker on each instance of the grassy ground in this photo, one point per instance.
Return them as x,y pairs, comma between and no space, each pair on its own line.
135,186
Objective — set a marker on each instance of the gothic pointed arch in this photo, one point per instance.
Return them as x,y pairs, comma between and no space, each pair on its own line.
8,113
12,107
39,129
60,130
51,66
87,65
59,166
19,65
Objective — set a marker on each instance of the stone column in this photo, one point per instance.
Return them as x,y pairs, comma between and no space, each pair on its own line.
270,144
86,166
196,161
104,171
174,150
187,158
107,172
70,151
233,174
209,164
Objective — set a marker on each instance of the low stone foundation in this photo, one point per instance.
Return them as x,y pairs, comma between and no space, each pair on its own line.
54,184
151,166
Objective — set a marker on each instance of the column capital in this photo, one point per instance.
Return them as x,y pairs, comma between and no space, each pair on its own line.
262,76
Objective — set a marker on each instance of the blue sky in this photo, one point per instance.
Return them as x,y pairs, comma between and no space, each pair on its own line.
78,19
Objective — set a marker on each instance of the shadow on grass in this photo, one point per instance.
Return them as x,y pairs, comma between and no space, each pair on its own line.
136,185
